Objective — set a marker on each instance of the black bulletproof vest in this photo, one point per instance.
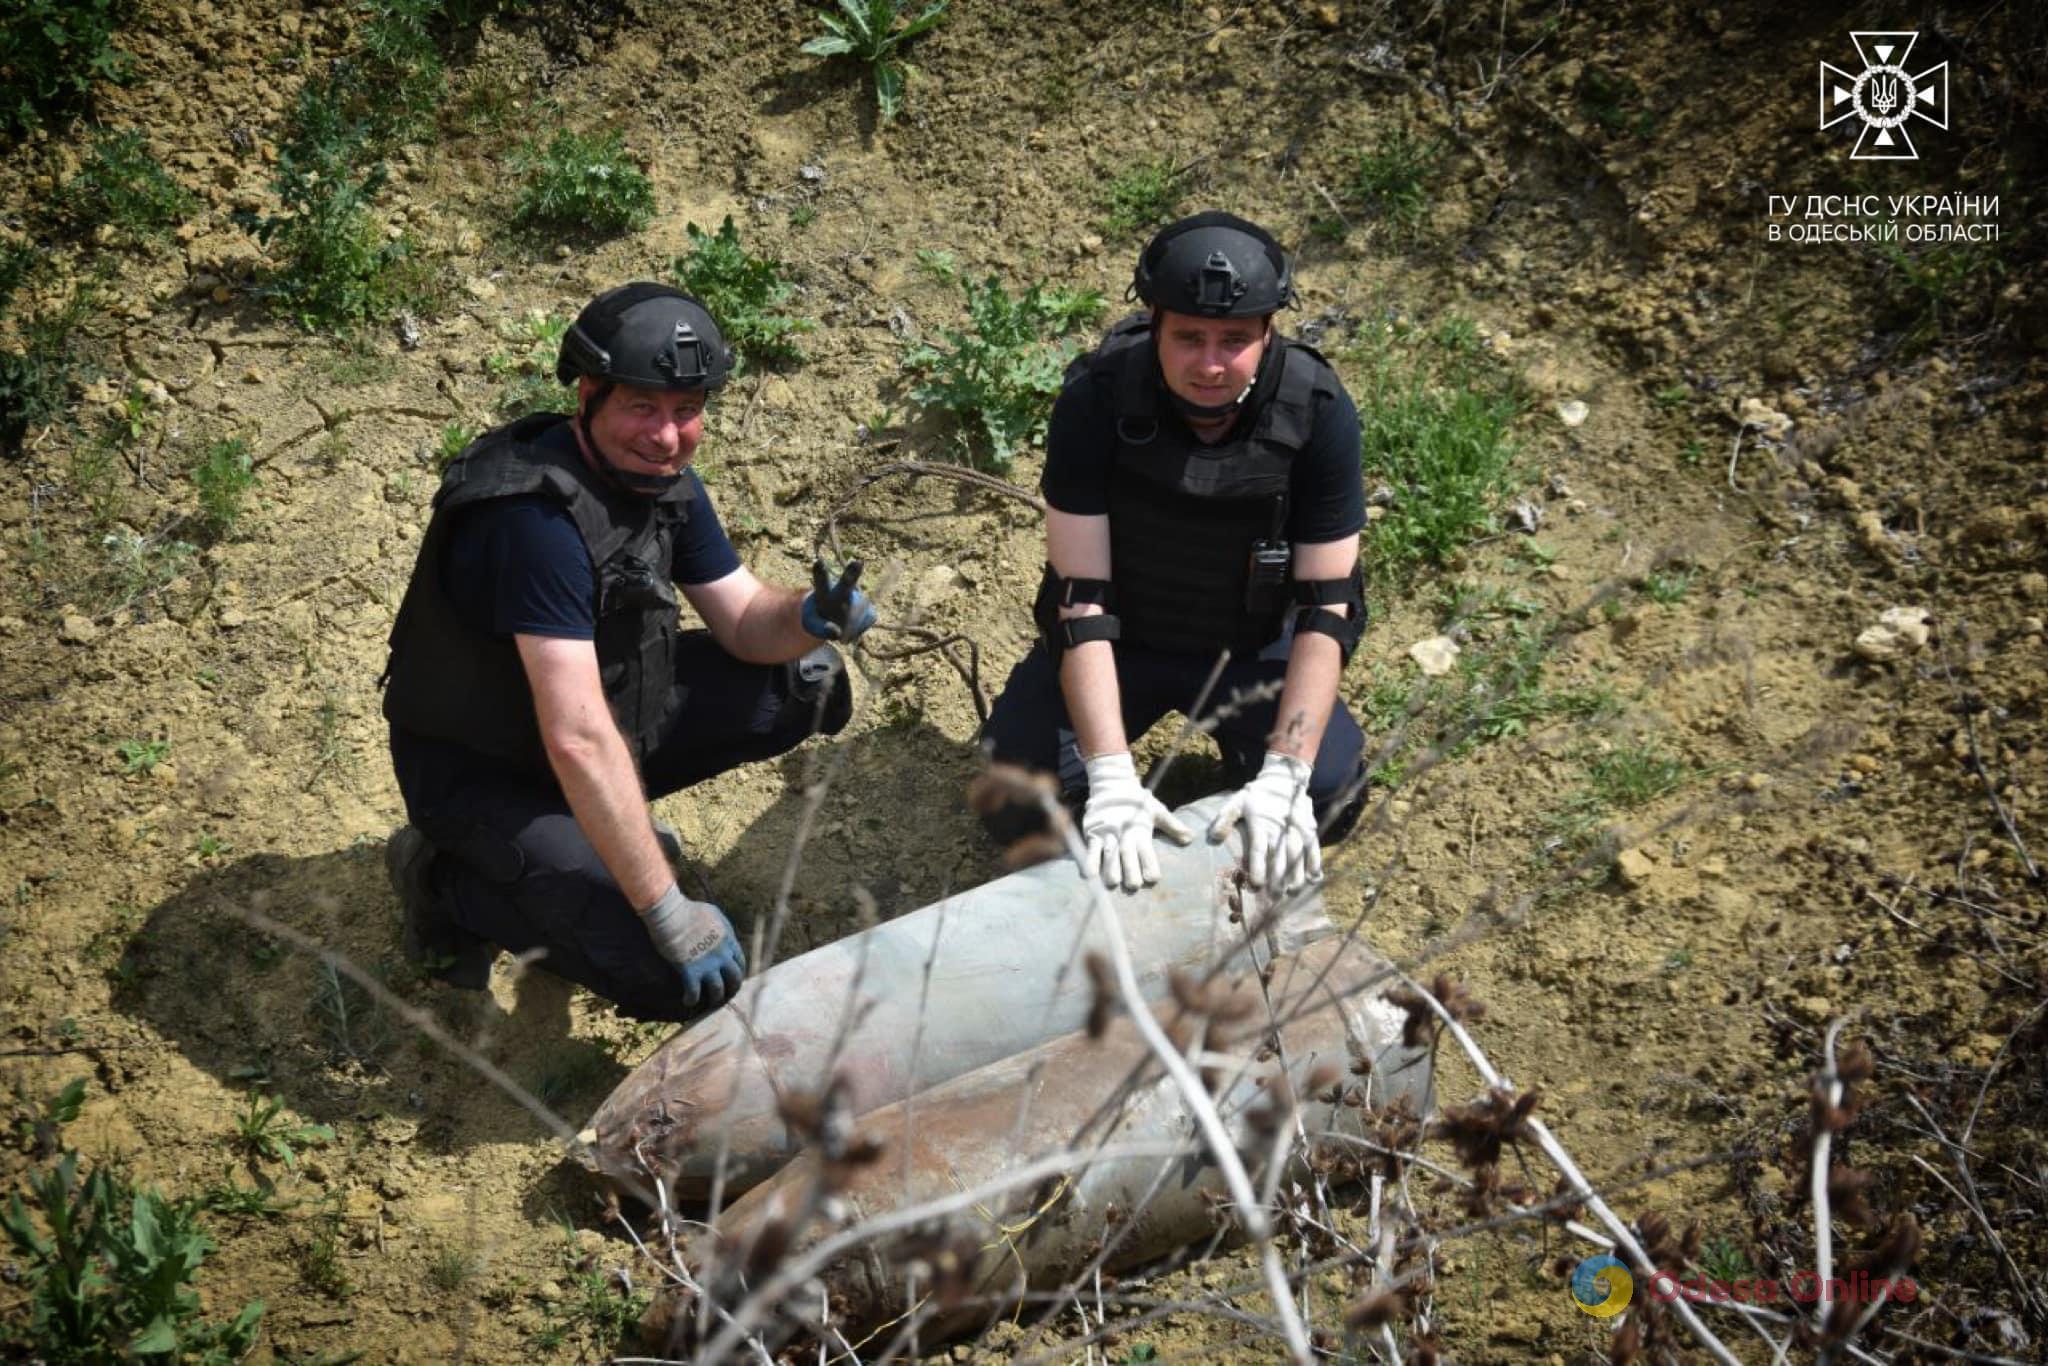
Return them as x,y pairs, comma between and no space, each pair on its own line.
451,681
1184,516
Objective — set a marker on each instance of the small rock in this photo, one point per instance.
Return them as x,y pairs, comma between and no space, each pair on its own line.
1526,515
1572,412
1865,764
1878,644
1634,867
255,375
2032,585
1326,17
1089,244
1769,423
1435,656
479,288
548,1292
1558,487
1909,624
810,172
76,628
1815,1008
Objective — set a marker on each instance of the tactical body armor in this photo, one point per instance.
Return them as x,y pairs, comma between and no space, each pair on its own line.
1198,550
450,681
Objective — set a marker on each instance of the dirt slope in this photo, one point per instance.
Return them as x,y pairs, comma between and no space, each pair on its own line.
1829,849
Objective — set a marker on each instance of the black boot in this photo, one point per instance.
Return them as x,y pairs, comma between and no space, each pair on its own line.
431,938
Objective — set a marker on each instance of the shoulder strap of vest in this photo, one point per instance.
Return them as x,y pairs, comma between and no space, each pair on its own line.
508,462
1288,414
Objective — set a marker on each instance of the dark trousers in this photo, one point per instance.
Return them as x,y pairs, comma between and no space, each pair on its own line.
514,869
1029,726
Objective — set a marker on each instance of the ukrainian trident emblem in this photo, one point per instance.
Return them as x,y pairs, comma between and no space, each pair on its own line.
1884,95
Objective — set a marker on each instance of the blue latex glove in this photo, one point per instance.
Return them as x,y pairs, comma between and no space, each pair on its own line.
836,610
698,939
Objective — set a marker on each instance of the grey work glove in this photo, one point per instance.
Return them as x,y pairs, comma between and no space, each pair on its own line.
1282,848
698,939
1118,823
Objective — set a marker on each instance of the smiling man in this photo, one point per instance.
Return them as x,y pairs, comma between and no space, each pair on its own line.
541,689
1205,498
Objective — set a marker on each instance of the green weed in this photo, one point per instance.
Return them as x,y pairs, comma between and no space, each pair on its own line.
351,1020
94,469
598,1309
527,369
223,476
264,1130
802,216
1671,396
1692,453
1436,423
109,1269
1634,774
210,848
1929,290
1722,1259
142,756
1391,180
1615,102
122,184
1667,586
996,376
320,1253
331,754
451,1269
36,381
876,32
582,184
744,293
1678,960
229,1197
1142,197
16,260
52,52
137,565
568,1072
335,266
399,59
454,440
38,1128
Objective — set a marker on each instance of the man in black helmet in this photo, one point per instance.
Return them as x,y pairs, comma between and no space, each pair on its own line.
1203,485
541,690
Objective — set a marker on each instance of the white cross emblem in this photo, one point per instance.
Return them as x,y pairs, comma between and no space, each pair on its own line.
1884,95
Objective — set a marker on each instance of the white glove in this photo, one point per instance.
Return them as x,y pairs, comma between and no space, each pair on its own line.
1118,824
1281,848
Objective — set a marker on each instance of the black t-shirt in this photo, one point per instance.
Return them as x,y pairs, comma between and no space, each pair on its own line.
1326,499
519,566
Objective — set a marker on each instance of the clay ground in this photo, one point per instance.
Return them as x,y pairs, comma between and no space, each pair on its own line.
1827,848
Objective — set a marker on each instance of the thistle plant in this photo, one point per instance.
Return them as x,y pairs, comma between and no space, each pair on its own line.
870,32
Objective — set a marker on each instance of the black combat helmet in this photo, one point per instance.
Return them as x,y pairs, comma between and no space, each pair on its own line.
646,334
1214,265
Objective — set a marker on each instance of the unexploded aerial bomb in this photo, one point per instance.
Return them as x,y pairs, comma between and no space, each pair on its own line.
919,999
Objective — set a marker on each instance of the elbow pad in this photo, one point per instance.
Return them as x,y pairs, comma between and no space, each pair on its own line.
1314,597
1056,591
